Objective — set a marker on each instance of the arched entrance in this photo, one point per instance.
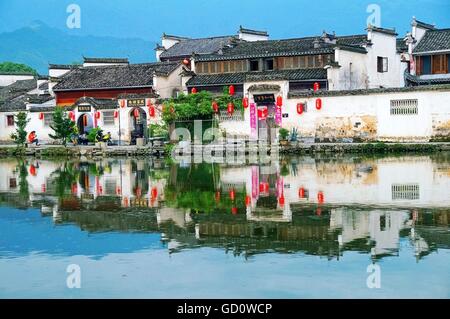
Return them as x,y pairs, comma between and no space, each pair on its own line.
85,123
138,124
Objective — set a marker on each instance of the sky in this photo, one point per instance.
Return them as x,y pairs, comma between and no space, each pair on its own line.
148,19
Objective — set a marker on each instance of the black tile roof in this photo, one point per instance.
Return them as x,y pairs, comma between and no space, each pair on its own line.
401,45
98,104
105,60
416,80
17,89
383,30
114,76
186,47
239,78
255,32
64,66
434,40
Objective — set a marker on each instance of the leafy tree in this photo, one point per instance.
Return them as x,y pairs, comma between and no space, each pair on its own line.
16,68
20,136
63,126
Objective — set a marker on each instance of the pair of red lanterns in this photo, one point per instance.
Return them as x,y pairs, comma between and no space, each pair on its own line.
301,106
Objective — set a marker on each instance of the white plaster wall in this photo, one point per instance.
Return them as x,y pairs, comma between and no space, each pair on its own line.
165,85
8,79
252,37
352,73
56,73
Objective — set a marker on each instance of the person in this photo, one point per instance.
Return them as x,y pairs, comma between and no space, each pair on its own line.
32,138
107,138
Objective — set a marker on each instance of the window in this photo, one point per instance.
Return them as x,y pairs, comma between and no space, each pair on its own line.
10,120
48,119
404,107
405,192
254,65
269,64
108,117
12,183
382,64
439,64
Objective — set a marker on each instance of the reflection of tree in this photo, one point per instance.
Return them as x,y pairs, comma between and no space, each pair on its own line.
23,182
63,178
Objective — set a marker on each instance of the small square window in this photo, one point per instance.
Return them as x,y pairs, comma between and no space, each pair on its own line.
269,65
10,120
254,65
12,183
382,64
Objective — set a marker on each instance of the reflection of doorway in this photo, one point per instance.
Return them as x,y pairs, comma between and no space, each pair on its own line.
138,124
85,123
266,122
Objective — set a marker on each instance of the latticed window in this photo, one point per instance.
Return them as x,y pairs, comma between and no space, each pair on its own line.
108,117
405,191
404,107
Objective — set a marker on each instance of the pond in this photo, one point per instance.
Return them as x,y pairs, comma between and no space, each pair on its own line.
300,227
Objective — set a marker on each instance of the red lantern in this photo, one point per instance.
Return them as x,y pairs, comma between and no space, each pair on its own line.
301,192
97,115
232,194
234,210
281,200
116,114
320,198
33,170
300,108
85,120
316,86
231,90
186,62
41,116
263,113
151,111
118,191
245,102
136,113
215,107
230,108
74,189
122,103
279,101
248,200
194,90
154,193
72,116
319,104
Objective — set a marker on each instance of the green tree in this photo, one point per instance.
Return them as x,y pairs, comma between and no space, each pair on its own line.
20,136
11,67
63,126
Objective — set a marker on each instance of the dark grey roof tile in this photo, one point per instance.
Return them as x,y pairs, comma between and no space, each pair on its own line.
434,40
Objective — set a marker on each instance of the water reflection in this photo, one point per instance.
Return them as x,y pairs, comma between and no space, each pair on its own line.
315,206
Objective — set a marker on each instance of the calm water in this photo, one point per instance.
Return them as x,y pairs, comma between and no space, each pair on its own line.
299,228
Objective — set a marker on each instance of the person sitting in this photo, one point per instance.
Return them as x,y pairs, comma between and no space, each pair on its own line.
107,138
32,138
82,139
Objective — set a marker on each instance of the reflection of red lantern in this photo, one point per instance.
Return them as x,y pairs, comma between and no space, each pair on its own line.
122,103
316,86
194,90
43,188
138,191
74,189
248,200
245,102
230,108
320,198
118,191
234,210
154,192
41,116
281,200
215,107
97,115
319,104
217,196
319,211
300,108
116,114
279,101
232,194
136,113
231,90
301,192
151,111
33,170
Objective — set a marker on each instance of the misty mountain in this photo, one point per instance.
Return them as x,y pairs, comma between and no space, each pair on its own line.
38,45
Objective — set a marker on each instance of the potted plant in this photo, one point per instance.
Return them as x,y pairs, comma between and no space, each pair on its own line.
283,136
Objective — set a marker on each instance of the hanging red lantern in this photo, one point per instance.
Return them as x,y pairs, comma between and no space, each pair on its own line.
316,86
320,198
194,90
116,114
215,107
85,120
41,116
97,115
231,90
230,108
217,196
281,200
279,102
122,103
245,102
263,112
300,108
154,192
186,62
301,192
72,116
232,194
319,104
248,200
33,170
136,113
151,111
234,210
